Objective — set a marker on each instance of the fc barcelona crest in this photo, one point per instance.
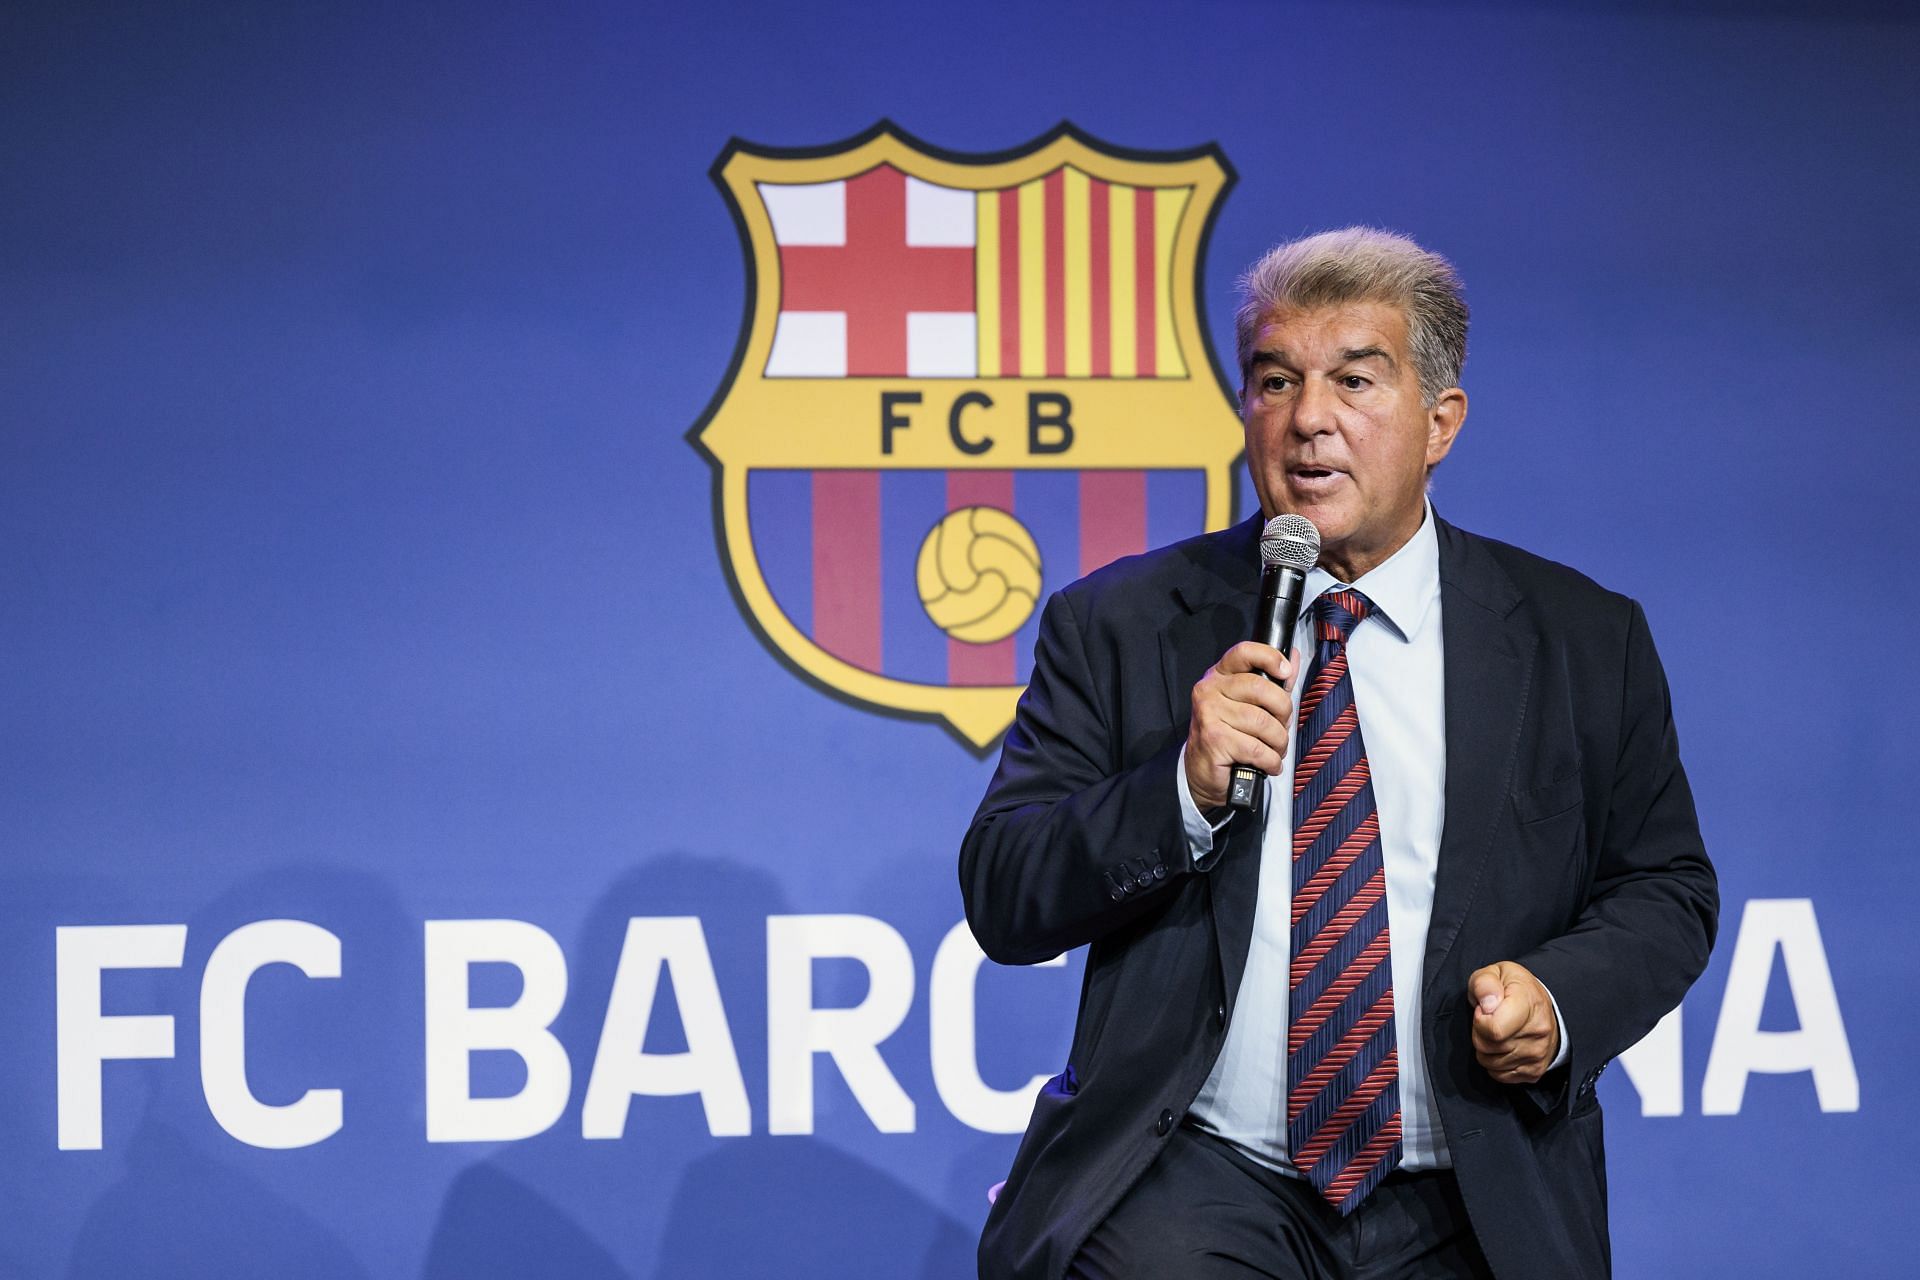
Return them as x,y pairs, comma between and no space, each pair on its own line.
961,383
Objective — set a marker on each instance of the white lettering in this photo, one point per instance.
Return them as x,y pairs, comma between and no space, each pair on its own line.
1653,1066
952,1026
455,1030
313,1116
709,1067
1819,1045
796,1031
85,1038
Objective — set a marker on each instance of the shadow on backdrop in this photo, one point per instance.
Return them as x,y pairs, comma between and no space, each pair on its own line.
193,1200
806,1210
798,1205
690,1204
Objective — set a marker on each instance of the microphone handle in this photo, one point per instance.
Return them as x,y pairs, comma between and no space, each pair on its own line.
1280,591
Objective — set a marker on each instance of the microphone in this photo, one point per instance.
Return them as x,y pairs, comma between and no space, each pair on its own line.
1289,548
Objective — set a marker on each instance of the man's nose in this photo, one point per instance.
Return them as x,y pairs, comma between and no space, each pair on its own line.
1313,408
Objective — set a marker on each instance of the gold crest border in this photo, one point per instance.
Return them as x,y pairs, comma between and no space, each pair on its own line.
977,714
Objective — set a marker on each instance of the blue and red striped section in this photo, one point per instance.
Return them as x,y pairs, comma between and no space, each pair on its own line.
1343,1062
838,549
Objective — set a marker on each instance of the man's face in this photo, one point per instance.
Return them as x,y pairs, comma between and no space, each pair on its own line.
1336,430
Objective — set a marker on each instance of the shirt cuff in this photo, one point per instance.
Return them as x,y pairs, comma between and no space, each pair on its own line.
1200,832
1560,1055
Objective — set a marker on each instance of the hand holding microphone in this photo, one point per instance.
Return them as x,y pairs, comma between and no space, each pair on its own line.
1242,710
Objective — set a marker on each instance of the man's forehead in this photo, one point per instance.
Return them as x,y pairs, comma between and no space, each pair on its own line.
1331,332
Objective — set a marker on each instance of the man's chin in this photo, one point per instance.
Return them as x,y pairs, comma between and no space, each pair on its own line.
1327,515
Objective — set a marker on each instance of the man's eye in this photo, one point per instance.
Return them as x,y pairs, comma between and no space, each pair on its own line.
1354,382
1273,382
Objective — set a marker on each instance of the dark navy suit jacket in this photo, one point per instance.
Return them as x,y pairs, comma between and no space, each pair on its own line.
1570,845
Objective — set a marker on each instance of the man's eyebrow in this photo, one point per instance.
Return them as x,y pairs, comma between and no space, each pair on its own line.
1353,355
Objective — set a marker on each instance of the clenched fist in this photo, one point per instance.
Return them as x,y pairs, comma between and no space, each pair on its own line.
1515,1035
1240,716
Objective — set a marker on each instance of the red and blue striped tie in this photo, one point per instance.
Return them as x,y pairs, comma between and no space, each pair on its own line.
1343,1069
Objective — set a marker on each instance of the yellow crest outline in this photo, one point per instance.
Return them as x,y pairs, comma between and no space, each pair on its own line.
812,412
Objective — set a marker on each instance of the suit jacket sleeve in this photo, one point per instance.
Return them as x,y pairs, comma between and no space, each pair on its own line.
1648,922
1073,840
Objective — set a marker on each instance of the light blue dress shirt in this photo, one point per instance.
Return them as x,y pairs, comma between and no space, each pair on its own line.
1397,662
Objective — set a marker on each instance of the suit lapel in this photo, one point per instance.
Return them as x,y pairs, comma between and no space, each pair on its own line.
1488,673
1218,601
1217,592
1489,669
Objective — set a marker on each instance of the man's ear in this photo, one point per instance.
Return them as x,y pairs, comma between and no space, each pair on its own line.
1444,420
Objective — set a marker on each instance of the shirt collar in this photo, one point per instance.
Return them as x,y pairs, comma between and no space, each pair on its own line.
1402,587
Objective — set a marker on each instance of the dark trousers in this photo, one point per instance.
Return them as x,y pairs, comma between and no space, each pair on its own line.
1204,1210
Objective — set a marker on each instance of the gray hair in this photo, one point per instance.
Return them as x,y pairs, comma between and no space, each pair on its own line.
1364,264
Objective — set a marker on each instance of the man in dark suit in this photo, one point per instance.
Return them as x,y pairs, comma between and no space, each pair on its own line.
1355,1032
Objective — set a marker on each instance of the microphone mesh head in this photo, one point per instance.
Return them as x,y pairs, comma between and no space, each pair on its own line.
1291,542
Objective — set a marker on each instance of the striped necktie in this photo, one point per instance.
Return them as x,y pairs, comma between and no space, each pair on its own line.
1343,1069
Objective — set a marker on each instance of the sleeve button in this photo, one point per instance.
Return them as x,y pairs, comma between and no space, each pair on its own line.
1164,1125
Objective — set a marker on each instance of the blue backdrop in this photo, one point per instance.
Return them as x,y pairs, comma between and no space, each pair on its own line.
355,569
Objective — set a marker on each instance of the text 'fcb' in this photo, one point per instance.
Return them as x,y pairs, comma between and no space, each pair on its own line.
969,417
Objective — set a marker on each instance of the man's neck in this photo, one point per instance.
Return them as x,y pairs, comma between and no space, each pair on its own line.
1351,564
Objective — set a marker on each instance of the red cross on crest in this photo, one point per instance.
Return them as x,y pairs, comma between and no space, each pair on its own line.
877,278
